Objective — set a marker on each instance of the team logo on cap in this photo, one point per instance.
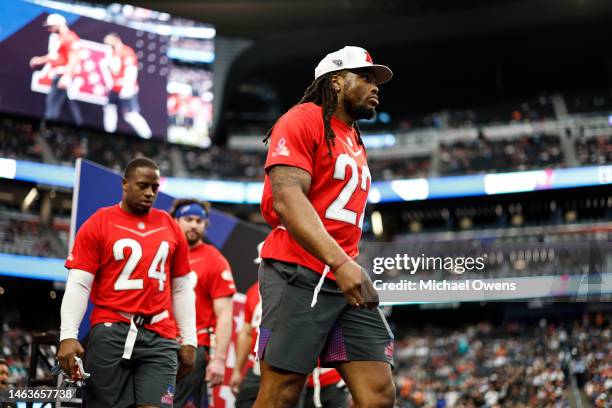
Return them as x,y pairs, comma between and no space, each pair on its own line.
281,148
368,57
337,62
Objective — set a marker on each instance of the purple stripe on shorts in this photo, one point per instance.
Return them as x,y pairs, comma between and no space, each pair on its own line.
264,336
335,349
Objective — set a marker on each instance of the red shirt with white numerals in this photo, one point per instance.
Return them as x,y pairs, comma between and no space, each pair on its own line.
133,259
339,187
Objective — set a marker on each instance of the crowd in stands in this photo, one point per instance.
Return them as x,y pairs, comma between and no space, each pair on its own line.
390,169
481,365
198,81
594,150
510,366
222,163
485,155
593,362
24,238
18,140
15,349
525,111
111,151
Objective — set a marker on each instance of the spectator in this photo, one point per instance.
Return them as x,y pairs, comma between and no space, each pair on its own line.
4,374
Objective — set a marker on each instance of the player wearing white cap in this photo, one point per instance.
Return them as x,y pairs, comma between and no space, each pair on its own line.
63,60
314,295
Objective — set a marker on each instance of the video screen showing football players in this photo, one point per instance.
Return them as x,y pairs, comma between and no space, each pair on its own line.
117,68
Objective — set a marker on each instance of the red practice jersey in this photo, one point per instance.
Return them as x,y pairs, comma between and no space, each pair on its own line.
215,281
67,43
133,259
339,187
252,316
122,59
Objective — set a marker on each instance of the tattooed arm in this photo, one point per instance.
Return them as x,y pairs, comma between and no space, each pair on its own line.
289,188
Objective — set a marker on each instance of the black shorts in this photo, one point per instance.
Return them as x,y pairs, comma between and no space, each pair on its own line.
125,105
149,377
293,335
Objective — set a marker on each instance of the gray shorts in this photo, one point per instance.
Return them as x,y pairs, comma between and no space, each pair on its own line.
293,335
191,390
147,379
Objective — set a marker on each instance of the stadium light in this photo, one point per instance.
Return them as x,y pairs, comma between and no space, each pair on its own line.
377,224
29,199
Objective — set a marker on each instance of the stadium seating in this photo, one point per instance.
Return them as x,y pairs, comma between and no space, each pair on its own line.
484,155
459,156
513,365
23,234
594,150
18,140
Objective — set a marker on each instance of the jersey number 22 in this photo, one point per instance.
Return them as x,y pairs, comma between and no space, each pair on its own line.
337,210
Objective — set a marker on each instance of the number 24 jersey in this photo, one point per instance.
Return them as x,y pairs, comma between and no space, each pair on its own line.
133,260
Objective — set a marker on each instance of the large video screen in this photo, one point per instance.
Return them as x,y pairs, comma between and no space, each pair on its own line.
117,68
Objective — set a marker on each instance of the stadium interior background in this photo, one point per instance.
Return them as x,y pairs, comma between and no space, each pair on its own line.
480,88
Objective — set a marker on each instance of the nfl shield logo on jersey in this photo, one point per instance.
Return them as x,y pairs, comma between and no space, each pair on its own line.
141,225
168,397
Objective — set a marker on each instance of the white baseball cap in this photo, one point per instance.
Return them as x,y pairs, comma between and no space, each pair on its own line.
55,20
352,58
259,246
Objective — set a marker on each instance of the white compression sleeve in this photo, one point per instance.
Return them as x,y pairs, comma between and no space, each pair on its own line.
183,303
74,303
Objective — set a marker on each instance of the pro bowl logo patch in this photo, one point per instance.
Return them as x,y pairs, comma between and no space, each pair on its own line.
281,148
227,275
389,350
168,397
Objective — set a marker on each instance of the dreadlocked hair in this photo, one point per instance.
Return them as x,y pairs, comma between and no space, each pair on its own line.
321,92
